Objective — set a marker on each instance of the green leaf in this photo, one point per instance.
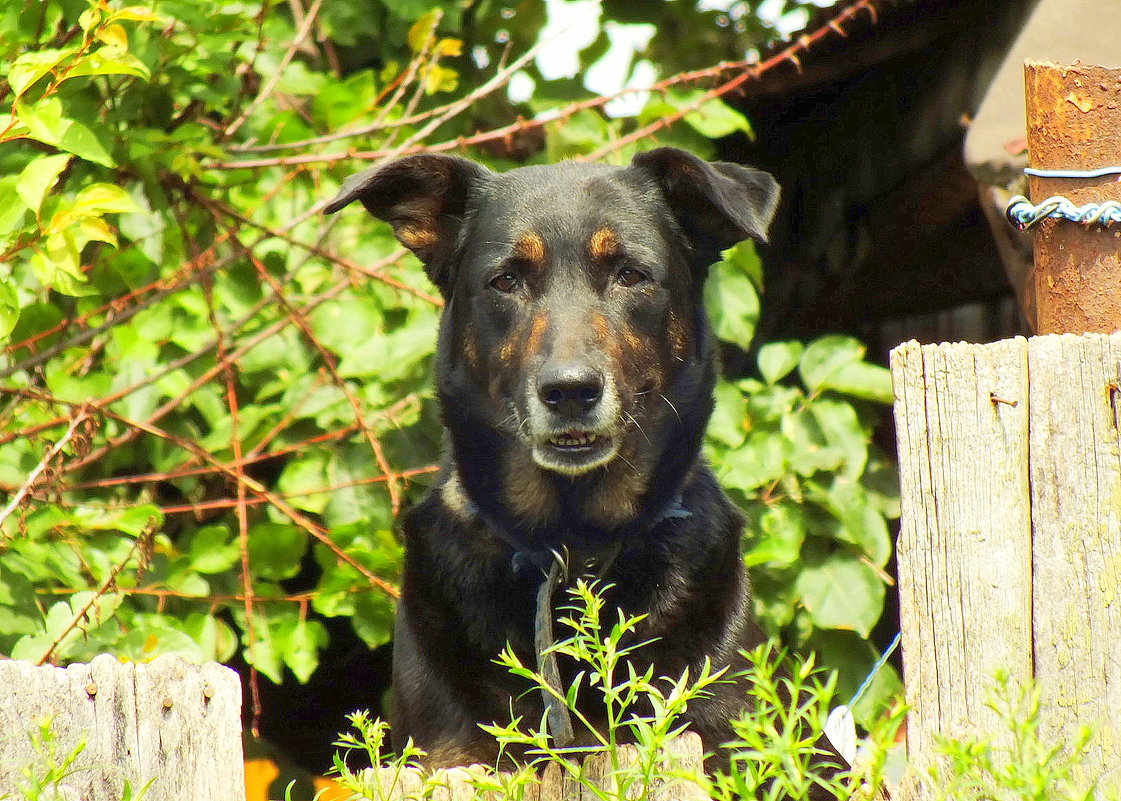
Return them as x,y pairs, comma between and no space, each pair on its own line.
30,67
43,119
109,60
853,659
302,646
810,451
9,308
760,460
841,592
744,258
714,118
839,425
276,550
105,199
18,611
777,359
776,538
304,481
373,618
215,638
732,303
860,522
727,422
213,549
81,141
38,177
46,123
825,357
862,380
133,520
13,208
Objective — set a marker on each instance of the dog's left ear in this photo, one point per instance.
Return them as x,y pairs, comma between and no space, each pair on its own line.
424,198
717,203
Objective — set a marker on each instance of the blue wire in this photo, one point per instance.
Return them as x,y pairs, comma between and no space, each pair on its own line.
1073,173
864,685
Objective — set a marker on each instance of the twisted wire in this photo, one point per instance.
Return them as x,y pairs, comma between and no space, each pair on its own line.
1023,214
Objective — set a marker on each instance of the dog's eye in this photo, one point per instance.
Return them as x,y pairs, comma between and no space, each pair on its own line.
628,276
507,282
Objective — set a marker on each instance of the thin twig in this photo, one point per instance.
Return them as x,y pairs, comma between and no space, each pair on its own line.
331,363
753,72
752,69
97,596
80,417
297,517
278,73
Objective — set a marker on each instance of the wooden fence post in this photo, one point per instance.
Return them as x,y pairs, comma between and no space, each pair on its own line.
1010,548
174,724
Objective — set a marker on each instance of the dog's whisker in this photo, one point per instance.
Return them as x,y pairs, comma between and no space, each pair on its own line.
638,426
627,462
668,403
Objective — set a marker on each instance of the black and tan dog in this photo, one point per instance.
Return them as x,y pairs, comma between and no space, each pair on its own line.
575,372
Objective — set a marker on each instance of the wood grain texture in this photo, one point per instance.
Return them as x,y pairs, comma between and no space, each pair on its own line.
964,546
167,721
1076,520
1010,549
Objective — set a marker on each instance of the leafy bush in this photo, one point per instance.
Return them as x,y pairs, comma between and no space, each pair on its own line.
209,419
775,759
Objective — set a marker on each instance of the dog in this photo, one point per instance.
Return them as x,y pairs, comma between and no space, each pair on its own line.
575,373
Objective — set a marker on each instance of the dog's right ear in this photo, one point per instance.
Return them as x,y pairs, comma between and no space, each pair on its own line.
424,198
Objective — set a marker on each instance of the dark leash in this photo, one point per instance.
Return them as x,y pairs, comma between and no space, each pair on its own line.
557,713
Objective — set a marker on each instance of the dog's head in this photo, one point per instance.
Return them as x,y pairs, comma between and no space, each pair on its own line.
573,291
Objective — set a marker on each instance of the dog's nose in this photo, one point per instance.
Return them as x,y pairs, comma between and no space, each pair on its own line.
570,390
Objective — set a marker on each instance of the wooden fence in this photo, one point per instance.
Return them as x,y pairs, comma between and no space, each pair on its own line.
167,722
175,729
1010,549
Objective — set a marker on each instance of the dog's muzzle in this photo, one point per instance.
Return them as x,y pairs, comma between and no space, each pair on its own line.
573,419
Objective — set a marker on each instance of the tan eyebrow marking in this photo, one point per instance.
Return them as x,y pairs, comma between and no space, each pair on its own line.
531,247
604,244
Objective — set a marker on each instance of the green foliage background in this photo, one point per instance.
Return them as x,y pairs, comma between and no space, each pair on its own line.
214,401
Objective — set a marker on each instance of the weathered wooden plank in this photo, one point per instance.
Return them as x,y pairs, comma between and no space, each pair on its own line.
964,549
167,721
965,477
1076,520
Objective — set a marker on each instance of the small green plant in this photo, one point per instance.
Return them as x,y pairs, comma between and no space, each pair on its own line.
1024,765
369,739
779,752
640,709
43,779
775,757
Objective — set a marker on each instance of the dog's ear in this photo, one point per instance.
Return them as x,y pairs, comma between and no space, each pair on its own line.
424,198
716,203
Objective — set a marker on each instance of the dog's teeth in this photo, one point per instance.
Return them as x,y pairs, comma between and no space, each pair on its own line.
574,440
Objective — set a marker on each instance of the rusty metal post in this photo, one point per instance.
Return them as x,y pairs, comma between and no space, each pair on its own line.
1074,123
